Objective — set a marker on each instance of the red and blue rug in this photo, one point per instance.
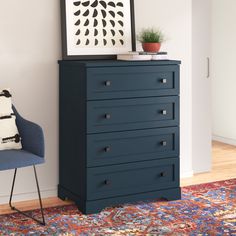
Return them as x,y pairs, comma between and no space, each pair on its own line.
206,209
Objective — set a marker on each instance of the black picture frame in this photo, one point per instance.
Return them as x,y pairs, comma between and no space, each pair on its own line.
65,54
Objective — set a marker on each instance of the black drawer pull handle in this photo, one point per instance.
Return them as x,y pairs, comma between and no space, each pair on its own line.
107,116
107,149
163,81
163,174
164,112
163,143
107,83
107,182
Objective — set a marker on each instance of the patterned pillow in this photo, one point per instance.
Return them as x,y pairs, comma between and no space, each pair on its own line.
5,102
9,135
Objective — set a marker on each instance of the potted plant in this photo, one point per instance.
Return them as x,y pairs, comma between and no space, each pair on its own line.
151,39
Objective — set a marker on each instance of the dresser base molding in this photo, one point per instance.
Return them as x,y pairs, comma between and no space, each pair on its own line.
91,207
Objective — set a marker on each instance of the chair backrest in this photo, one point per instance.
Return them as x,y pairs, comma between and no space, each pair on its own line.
15,112
31,134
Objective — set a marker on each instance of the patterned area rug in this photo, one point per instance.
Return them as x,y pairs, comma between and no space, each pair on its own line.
207,209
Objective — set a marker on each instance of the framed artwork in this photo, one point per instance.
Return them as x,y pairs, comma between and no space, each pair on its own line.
97,29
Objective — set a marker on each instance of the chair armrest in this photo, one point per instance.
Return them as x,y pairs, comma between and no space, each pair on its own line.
32,137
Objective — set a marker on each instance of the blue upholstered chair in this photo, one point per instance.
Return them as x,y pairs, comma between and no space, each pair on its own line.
32,154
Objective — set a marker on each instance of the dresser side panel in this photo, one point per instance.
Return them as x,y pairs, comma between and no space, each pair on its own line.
72,144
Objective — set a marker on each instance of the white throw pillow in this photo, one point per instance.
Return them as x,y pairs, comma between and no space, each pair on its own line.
5,102
9,135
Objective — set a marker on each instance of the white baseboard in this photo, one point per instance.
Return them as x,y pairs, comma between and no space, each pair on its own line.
28,196
186,174
224,140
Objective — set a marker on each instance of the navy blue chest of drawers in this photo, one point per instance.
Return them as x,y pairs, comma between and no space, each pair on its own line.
119,132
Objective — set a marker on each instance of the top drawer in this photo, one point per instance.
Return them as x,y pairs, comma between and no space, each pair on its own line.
131,81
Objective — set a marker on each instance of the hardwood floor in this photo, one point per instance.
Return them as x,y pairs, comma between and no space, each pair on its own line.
34,204
223,167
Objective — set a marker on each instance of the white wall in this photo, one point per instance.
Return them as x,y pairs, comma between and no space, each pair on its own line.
29,50
175,19
223,70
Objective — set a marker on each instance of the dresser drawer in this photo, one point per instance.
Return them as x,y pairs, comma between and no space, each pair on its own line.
129,114
127,82
118,180
131,146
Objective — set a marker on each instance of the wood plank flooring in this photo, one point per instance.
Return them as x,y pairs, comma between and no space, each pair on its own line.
223,167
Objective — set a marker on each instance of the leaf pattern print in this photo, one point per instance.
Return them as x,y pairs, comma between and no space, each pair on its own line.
99,22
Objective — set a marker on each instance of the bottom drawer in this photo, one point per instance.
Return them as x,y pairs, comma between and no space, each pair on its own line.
124,179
